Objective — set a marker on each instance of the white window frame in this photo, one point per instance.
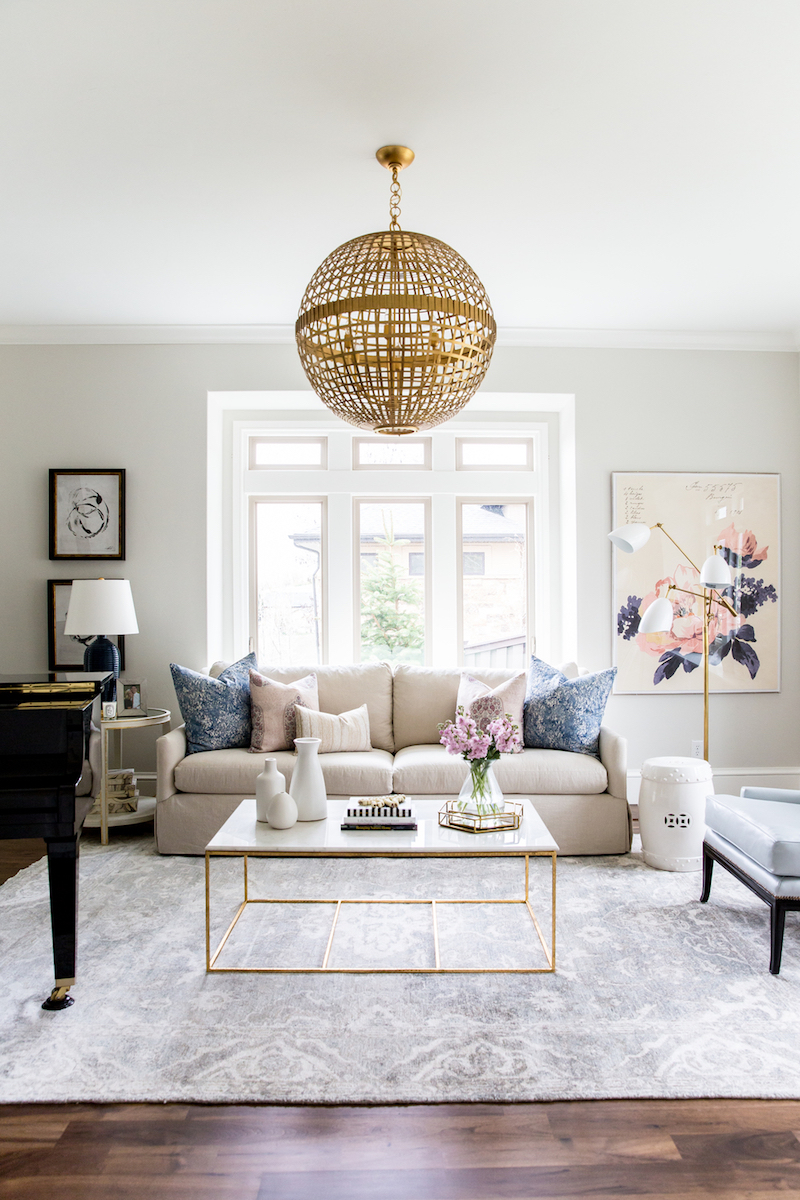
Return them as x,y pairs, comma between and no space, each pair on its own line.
392,498
530,563
252,582
256,440
233,415
425,465
494,441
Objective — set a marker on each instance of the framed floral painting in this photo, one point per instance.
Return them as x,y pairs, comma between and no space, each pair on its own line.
741,515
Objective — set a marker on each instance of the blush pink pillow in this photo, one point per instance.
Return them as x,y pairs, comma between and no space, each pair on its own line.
485,704
272,710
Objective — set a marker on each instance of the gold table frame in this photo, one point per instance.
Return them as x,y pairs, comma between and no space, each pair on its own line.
211,959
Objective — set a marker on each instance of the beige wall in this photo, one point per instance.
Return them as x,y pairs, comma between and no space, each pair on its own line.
144,408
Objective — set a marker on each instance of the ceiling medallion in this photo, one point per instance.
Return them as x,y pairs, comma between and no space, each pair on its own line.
395,331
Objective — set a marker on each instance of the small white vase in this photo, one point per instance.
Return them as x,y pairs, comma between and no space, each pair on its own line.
268,784
282,811
308,785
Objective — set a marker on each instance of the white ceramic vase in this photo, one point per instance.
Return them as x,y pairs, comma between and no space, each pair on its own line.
308,785
268,784
282,811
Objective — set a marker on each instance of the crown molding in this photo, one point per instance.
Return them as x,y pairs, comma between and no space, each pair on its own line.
786,341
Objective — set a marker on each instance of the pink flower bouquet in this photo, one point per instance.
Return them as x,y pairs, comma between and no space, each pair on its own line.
480,747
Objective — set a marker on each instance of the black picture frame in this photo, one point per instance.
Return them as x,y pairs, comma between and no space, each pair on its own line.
87,513
60,655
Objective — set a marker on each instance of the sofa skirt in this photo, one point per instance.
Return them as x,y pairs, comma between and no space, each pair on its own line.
581,824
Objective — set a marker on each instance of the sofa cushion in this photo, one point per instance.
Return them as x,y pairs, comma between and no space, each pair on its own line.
765,830
425,697
430,771
347,687
565,714
235,771
216,712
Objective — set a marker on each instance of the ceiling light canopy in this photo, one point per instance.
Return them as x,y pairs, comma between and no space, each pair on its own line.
395,331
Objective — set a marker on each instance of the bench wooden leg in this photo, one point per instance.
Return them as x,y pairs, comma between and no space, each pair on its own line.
708,870
777,915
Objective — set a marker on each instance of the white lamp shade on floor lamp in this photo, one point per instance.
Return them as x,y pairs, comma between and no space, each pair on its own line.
657,617
715,573
630,538
100,606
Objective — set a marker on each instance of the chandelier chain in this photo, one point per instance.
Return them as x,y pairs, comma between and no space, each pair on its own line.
396,195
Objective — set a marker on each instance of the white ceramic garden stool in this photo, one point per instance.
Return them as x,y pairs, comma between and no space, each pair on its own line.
672,807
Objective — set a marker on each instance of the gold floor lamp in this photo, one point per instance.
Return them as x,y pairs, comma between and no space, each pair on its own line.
715,574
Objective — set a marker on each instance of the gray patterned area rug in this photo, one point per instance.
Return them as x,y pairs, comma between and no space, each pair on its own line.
655,995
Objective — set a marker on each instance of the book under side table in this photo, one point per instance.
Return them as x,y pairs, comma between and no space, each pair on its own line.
243,837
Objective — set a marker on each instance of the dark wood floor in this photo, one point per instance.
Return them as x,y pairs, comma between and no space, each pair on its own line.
736,1149
653,1149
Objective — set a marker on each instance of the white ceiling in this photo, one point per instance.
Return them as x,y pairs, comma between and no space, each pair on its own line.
604,165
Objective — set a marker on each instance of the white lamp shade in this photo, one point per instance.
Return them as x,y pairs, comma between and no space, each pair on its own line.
630,537
100,606
715,573
657,617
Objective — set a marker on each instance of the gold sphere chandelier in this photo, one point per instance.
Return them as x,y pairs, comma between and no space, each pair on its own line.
395,331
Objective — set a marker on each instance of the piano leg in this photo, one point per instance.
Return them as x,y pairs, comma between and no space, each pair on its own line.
62,864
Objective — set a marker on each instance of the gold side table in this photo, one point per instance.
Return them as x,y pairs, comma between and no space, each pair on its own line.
146,809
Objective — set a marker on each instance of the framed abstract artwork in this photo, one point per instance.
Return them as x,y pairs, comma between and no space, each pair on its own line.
87,514
741,515
66,653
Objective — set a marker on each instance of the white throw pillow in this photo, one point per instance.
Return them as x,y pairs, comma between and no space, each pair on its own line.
347,732
485,704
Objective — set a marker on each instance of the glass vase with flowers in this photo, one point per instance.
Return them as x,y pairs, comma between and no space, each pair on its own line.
481,744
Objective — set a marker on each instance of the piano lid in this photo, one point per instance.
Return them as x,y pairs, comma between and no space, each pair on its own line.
53,689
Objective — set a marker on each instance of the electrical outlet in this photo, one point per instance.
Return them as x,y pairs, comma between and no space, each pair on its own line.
697,749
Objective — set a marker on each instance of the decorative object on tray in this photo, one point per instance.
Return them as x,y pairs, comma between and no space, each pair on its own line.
480,793
379,812
121,792
65,653
308,783
740,513
98,607
87,513
282,811
268,784
131,698
453,816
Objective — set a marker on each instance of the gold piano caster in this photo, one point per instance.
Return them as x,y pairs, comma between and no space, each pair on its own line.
58,999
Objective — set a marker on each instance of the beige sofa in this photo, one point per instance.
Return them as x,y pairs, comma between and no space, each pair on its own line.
581,799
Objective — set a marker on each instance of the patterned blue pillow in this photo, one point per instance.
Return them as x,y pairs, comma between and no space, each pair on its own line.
216,712
565,714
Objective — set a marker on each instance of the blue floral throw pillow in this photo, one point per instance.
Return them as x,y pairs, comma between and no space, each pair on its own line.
565,714
216,712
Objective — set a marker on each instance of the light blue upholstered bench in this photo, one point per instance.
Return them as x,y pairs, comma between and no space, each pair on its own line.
756,836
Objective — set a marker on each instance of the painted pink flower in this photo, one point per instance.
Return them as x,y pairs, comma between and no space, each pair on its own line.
744,544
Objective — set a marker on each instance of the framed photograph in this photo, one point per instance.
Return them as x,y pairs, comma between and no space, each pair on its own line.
131,700
87,514
66,653
741,515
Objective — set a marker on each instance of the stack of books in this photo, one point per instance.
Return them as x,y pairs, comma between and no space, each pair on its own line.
121,792
379,812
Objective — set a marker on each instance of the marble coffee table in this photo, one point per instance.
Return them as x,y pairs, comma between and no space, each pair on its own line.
243,837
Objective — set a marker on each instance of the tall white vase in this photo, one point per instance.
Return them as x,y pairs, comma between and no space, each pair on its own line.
308,785
268,784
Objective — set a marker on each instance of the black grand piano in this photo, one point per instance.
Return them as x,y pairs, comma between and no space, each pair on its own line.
44,737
